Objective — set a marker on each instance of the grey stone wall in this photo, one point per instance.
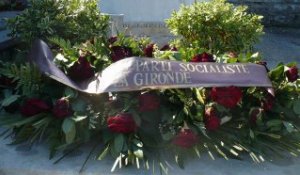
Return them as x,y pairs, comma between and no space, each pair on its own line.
283,13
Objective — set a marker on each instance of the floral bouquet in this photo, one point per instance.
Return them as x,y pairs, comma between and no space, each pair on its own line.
135,125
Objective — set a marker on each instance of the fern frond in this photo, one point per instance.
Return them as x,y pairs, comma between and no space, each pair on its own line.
27,76
68,49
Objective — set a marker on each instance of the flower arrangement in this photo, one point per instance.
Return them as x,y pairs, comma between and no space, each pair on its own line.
134,125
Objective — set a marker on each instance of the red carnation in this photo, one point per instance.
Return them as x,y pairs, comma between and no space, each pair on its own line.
226,96
61,108
292,74
119,52
268,102
122,123
186,139
211,120
81,70
148,50
148,102
204,57
34,106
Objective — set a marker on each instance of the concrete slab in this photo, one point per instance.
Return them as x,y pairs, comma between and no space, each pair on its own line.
16,160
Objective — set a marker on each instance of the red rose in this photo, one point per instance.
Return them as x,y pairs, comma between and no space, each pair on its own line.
61,108
148,50
119,52
226,96
292,74
186,139
268,102
34,106
211,120
122,123
148,102
112,39
167,47
254,115
204,57
81,70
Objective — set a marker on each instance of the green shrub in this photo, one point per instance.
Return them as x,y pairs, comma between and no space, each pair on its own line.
216,25
75,20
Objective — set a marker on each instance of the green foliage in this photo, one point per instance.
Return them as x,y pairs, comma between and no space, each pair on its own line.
76,20
27,77
216,25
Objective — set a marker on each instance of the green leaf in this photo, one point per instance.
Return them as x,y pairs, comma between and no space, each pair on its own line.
79,118
139,153
296,106
104,153
69,129
179,161
79,105
277,72
70,93
252,135
9,100
119,142
274,123
289,126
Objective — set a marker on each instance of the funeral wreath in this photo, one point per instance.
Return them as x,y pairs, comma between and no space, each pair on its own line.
60,102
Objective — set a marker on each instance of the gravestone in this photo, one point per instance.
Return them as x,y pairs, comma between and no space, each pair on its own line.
142,17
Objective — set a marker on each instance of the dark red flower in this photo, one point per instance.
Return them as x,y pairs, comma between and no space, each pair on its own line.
148,102
292,74
204,57
254,115
81,70
211,120
119,52
62,108
112,39
268,103
226,96
167,47
34,106
186,139
7,82
148,50
122,123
